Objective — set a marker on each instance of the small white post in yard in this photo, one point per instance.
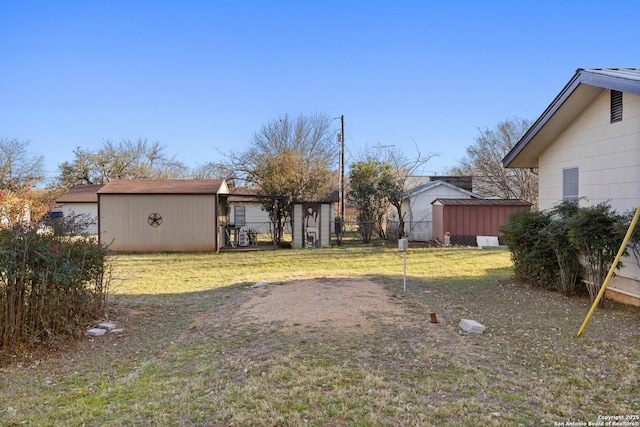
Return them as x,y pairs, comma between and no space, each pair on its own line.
403,244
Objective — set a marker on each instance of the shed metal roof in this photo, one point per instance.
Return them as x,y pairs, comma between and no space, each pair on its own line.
583,88
81,194
481,202
158,186
244,194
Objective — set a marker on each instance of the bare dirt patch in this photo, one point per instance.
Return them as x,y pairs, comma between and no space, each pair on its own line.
343,305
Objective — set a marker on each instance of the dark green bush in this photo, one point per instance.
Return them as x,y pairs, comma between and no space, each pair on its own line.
532,254
557,248
567,255
51,284
597,233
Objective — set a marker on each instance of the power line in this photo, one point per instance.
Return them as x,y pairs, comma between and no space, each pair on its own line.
385,149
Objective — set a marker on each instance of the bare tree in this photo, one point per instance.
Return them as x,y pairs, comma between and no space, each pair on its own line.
123,160
394,169
290,158
211,170
484,163
20,173
402,168
18,168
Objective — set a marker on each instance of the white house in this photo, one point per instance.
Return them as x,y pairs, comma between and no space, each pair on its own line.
586,145
418,209
244,215
82,200
246,210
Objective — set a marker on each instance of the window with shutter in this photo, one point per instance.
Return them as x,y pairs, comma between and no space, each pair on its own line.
240,216
570,184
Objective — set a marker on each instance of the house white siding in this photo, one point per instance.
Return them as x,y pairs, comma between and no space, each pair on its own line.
606,154
90,210
418,209
255,217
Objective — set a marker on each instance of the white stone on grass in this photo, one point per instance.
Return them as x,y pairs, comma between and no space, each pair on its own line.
472,326
259,284
106,325
96,332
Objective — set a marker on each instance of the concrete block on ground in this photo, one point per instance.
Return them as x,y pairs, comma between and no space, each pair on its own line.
259,284
491,241
472,326
106,325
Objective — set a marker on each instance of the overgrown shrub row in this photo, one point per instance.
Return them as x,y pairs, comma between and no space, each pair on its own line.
567,246
52,284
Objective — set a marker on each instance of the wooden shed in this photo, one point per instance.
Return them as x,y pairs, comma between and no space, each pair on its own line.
464,219
160,215
313,224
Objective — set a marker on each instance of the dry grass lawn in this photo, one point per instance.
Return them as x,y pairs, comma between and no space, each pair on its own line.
332,340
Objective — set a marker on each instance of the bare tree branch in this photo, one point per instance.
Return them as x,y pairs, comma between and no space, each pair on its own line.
18,168
484,162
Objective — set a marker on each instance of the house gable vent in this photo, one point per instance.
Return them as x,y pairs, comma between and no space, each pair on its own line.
616,106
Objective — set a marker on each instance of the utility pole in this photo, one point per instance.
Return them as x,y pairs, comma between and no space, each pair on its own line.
342,171
341,202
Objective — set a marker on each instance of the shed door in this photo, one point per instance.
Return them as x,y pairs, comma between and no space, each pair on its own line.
311,225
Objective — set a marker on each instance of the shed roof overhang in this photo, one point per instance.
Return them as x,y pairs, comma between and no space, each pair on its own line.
163,186
583,88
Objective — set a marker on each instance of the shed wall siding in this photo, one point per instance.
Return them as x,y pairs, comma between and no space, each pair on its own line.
325,227
418,227
188,222
471,220
606,154
438,225
297,240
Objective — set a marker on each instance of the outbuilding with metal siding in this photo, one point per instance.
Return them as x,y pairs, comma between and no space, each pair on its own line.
160,215
464,219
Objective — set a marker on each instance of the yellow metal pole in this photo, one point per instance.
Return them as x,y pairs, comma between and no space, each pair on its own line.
627,237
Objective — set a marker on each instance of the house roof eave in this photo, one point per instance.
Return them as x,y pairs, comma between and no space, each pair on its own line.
86,193
433,184
583,88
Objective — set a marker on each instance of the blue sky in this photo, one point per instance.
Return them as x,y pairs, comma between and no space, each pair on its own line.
202,76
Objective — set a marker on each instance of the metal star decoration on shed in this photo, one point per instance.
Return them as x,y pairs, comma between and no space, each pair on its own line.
155,220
